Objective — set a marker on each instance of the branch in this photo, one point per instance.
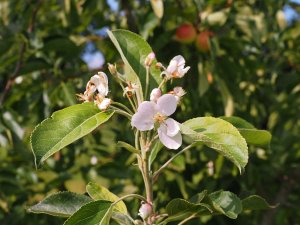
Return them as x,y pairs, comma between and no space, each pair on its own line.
156,174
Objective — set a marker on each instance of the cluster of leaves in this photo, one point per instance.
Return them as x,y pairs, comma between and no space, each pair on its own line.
40,65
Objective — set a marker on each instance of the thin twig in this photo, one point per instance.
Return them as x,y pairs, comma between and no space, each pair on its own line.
187,219
156,174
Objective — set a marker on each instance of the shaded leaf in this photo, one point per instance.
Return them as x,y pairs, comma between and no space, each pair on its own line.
62,204
226,203
64,127
179,209
93,213
128,147
255,202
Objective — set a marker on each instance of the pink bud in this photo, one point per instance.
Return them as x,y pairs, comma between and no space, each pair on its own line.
145,211
149,59
155,94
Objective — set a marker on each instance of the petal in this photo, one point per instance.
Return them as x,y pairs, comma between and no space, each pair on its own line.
170,142
95,80
179,59
144,118
167,104
172,67
172,127
142,123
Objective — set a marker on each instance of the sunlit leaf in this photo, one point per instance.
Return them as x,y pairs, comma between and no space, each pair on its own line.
64,127
219,135
98,192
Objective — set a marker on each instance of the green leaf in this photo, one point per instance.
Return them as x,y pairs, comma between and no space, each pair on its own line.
133,50
156,149
121,219
64,127
179,209
62,204
93,213
219,135
261,138
98,192
128,147
226,203
255,202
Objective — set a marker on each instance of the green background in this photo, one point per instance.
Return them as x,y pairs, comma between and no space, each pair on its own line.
252,71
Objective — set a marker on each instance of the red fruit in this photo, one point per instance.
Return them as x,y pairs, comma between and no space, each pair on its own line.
202,41
186,33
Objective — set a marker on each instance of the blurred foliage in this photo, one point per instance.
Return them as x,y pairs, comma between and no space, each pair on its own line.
251,70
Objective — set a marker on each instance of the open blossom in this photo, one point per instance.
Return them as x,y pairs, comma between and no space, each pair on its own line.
176,68
151,112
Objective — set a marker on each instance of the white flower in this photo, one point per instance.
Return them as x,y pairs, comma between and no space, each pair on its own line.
145,211
176,68
178,92
102,103
155,94
150,112
99,82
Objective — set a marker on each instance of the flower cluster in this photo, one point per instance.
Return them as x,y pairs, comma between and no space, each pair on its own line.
97,90
154,114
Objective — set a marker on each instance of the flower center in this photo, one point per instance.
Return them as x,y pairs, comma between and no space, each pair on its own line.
159,118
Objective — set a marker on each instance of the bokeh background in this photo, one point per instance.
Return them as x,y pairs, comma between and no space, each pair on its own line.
248,66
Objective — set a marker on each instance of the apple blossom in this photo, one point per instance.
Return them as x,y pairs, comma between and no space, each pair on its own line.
155,94
101,102
99,82
176,68
150,112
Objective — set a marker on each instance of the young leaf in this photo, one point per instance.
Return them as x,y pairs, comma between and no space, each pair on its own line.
98,192
127,147
93,213
61,204
226,203
156,149
219,135
255,202
64,127
133,50
261,138
179,209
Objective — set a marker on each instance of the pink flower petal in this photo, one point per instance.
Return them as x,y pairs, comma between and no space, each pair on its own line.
167,104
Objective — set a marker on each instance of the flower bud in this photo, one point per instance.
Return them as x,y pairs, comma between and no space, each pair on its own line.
145,211
149,59
112,69
155,94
